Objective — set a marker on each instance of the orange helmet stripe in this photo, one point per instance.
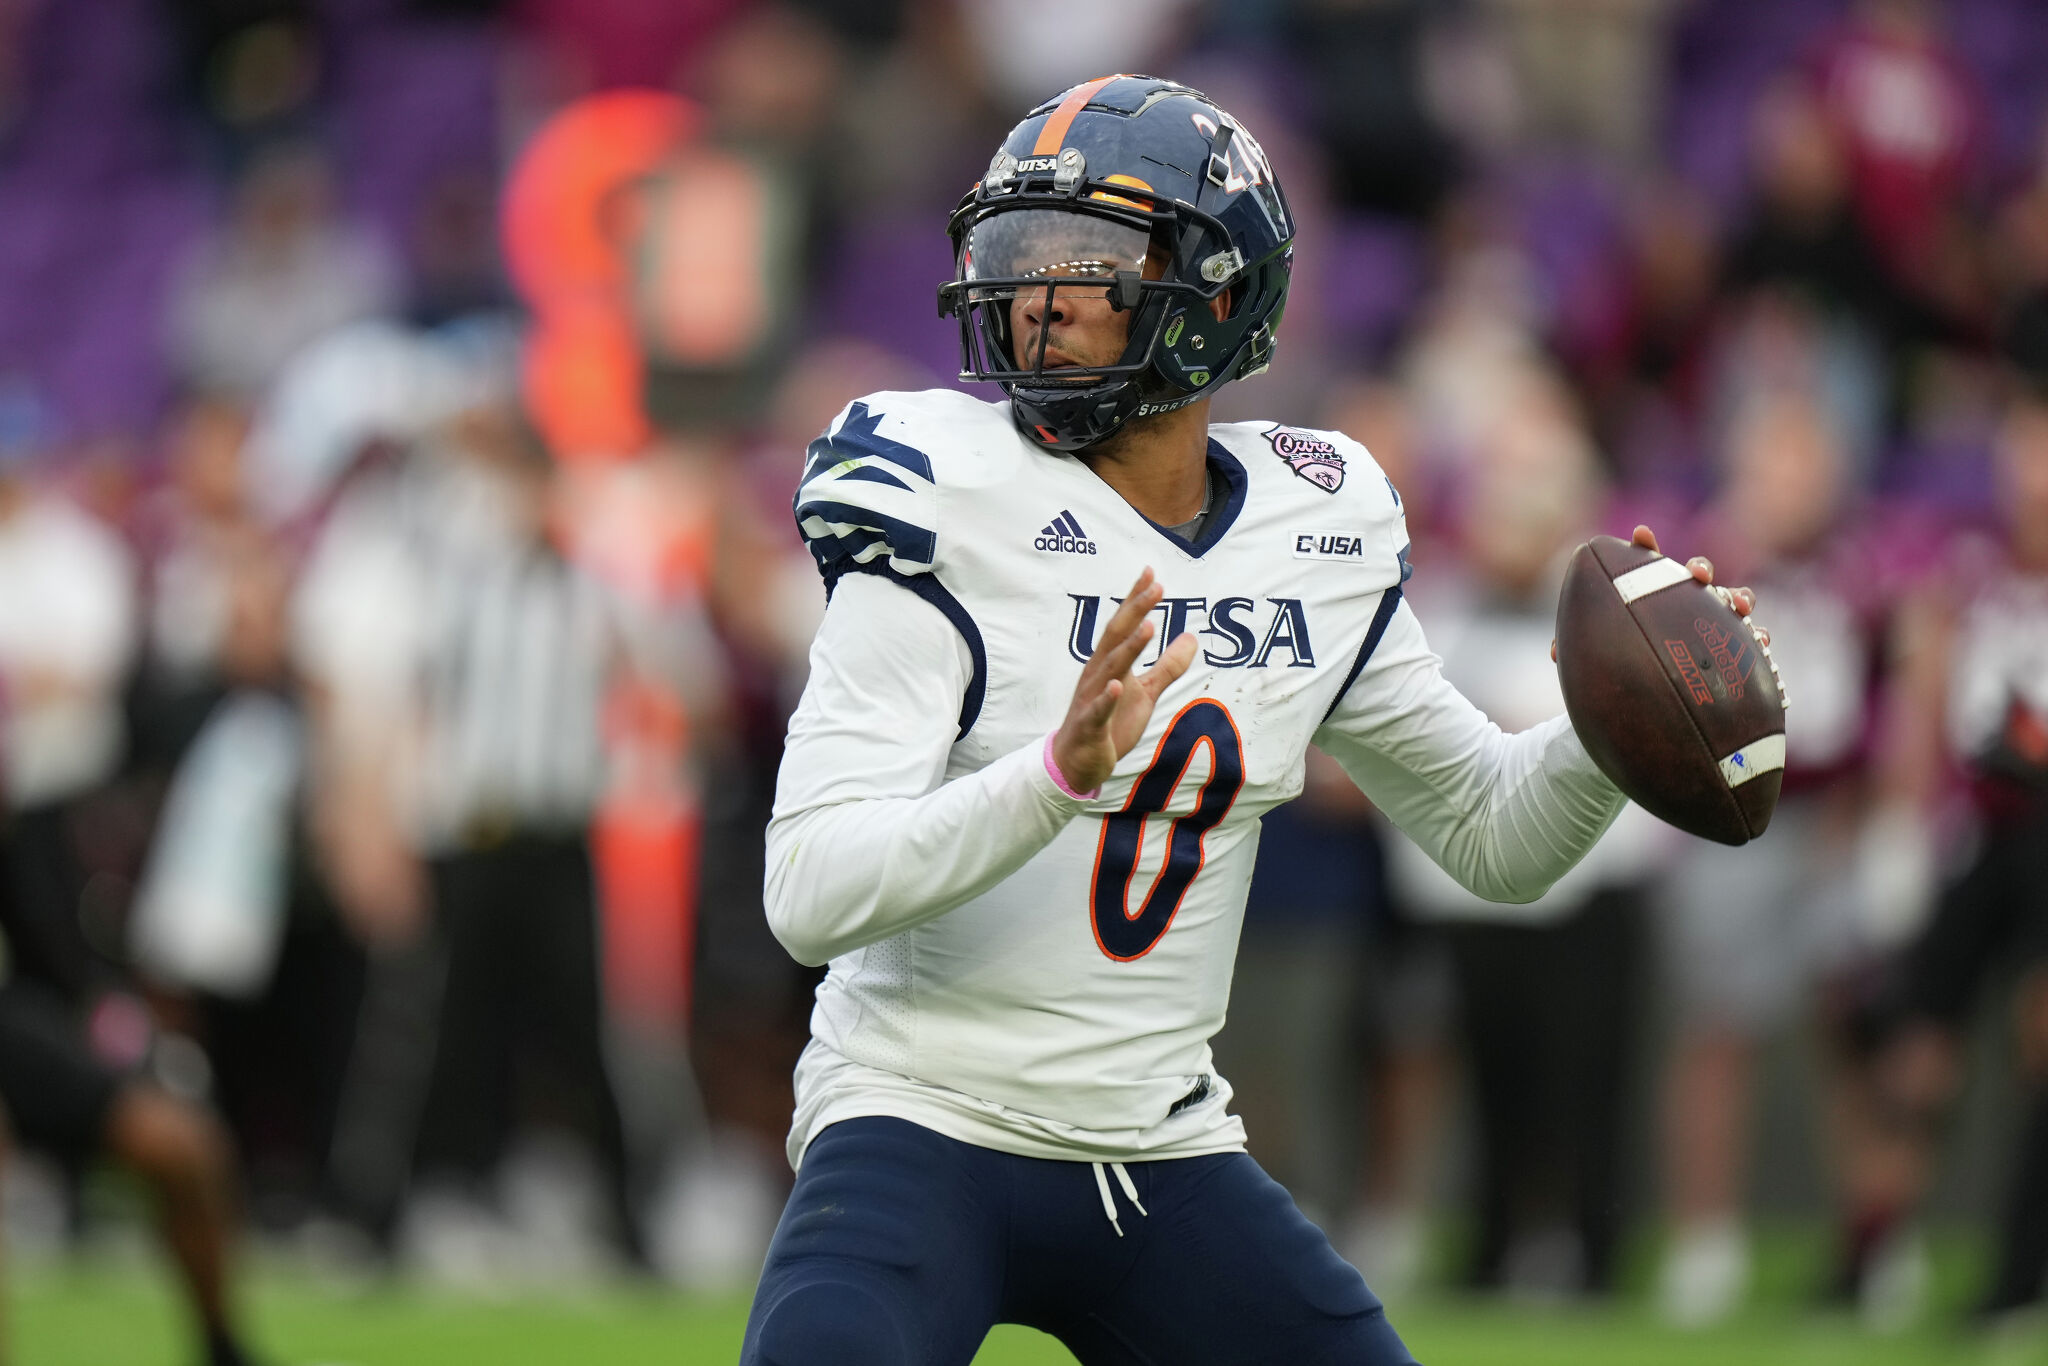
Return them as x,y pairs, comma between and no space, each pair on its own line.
1055,131
1131,181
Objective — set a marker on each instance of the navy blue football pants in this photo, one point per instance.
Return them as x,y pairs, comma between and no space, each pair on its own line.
901,1247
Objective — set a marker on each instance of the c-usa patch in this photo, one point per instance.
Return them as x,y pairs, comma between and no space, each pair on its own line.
1309,456
1329,545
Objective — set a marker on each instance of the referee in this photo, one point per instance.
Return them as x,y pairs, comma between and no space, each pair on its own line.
519,652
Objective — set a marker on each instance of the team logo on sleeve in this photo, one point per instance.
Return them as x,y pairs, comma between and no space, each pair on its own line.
1064,535
1309,456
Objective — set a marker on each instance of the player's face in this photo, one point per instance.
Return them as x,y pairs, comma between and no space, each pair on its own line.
1067,322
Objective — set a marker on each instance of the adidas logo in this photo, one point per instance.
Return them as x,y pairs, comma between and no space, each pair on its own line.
1064,534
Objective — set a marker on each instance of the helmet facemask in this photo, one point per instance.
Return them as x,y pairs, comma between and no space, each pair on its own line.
1039,258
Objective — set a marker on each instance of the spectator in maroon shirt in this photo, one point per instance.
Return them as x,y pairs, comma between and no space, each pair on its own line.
1913,126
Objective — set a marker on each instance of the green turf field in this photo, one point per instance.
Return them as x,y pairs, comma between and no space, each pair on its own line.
122,1314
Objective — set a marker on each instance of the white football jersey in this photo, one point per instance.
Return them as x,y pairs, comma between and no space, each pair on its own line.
1040,973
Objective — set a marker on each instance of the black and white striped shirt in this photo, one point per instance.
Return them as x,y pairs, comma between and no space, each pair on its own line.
485,654
516,666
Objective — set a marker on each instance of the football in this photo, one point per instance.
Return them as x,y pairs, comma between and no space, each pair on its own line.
1670,691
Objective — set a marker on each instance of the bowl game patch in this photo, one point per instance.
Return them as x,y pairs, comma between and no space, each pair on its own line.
1309,456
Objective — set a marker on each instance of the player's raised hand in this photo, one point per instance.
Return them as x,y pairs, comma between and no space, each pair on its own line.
1112,705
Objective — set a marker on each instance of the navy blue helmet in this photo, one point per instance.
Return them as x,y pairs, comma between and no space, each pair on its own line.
1147,191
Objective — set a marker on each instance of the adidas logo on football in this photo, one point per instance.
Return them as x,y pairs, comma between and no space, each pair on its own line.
1064,534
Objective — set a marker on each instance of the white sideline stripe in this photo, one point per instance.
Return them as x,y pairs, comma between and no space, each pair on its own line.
1754,759
1646,579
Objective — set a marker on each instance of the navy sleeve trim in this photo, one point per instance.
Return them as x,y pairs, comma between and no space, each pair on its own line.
874,474
858,438
1389,600
928,587
866,526
866,496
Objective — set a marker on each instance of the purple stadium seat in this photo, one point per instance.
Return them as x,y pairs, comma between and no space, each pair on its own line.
883,287
1373,280
411,103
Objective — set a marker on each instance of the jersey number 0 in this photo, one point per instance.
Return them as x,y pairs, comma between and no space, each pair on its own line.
1125,934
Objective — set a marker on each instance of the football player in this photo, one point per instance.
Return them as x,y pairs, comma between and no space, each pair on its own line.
1077,643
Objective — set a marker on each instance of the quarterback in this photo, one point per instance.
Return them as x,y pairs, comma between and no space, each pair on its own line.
1076,646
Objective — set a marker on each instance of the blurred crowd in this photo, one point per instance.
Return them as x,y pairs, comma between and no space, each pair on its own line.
399,402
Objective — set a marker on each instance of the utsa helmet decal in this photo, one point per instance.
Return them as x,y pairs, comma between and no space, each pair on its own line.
1148,192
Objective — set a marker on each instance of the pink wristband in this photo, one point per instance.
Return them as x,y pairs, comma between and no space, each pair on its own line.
1060,779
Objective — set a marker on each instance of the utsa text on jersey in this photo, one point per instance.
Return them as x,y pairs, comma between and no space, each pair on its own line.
1233,621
